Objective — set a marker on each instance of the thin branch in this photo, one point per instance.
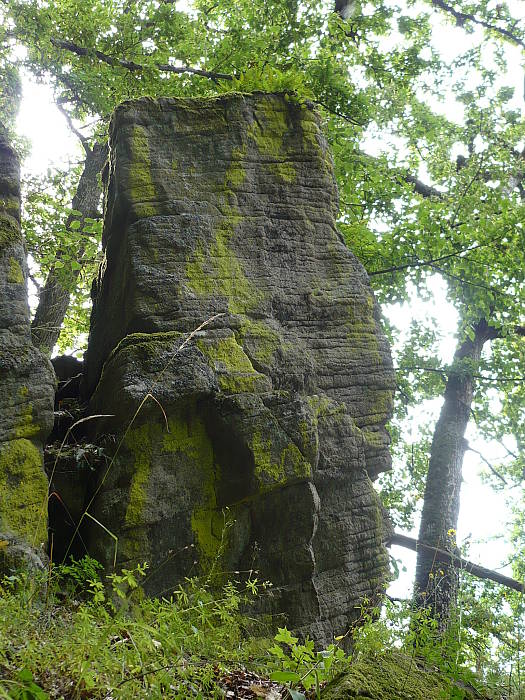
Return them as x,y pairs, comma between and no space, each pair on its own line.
462,17
346,118
447,370
455,561
421,263
83,139
132,66
196,71
489,288
489,465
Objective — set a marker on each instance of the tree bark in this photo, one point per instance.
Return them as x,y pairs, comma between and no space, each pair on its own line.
54,296
436,580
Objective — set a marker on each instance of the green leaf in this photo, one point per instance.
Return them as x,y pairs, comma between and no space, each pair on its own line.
285,677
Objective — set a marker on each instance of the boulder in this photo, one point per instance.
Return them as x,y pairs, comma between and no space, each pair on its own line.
237,345
27,384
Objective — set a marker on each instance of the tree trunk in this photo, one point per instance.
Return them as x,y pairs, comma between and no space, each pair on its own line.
54,296
436,580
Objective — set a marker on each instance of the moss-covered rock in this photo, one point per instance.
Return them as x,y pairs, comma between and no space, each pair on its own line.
252,443
26,389
394,676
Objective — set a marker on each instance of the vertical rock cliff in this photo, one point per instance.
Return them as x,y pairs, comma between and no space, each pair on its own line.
27,384
256,441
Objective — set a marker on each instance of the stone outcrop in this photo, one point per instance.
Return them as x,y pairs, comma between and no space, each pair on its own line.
252,443
27,384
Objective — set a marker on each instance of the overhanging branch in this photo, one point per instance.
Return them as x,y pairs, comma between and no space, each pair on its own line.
132,66
462,17
441,555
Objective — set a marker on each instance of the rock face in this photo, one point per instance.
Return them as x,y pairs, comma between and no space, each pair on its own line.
255,440
27,384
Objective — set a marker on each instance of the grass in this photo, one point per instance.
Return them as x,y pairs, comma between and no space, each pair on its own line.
71,637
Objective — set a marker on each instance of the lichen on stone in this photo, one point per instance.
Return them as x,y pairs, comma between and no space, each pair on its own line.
393,676
277,469
269,133
215,270
23,491
234,369
15,274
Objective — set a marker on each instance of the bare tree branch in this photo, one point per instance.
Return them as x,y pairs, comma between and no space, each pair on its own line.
462,17
489,465
132,66
457,562
421,188
83,139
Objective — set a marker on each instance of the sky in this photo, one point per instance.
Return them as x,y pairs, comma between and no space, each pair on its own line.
483,512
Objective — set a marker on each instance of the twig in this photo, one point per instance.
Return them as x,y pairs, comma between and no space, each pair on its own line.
489,465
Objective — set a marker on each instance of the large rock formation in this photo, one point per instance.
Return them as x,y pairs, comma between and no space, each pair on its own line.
27,383
257,439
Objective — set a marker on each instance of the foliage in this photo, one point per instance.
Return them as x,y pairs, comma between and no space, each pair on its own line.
303,665
379,80
471,656
83,637
70,635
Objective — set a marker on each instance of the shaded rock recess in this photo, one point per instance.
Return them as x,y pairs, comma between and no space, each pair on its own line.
260,436
27,384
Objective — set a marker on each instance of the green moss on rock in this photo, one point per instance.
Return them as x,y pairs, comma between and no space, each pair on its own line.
392,677
23,490
142,188
26,428
265,340
15,274
187,441
277,469
236,173
270,138
233,367
9,230
138,441
215,270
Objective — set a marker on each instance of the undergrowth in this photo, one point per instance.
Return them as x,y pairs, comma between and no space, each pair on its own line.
73,635
81,638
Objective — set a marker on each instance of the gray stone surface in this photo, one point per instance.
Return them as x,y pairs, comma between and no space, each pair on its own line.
27,383
258,439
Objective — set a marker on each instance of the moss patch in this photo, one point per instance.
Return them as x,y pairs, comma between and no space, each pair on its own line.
23,490
270,138
276,470
215,270
188,442
236,174
141,186
391,677
233,367
138,441
266,341
15,274
9,230
26,428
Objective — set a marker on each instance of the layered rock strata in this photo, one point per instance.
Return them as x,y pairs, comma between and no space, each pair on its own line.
256,438
27,384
